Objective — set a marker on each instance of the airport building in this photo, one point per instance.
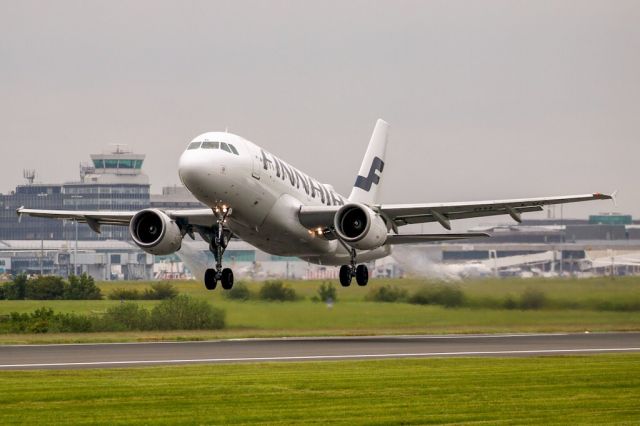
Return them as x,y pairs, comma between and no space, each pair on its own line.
602,244
40,196
103,260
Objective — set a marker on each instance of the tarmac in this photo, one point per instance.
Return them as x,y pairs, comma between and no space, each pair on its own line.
106,355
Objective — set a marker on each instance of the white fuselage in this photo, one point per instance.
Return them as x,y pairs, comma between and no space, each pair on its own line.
265,195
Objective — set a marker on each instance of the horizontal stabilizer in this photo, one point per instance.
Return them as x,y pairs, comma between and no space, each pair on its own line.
430,238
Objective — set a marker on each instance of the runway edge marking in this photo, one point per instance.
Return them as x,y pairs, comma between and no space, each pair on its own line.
312,338
318,357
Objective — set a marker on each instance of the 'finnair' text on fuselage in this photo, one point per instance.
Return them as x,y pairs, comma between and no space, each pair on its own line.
295,177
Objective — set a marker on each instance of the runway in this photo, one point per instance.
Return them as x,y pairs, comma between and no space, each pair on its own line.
66,356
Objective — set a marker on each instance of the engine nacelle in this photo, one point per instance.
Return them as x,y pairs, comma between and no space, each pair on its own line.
360,227
155,232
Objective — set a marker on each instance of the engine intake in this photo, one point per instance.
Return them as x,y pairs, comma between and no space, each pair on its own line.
360,227
155,232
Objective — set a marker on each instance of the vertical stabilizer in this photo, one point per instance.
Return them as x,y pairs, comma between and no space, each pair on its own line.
365,190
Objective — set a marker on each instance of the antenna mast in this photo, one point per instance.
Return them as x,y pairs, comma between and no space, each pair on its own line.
29,175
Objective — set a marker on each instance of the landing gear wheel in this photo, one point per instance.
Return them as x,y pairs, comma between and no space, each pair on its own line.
345,275
362,275
210,279
218,238
227,279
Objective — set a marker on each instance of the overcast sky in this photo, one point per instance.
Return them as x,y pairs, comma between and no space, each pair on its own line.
486,100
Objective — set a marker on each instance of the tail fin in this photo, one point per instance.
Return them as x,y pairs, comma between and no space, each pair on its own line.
365,189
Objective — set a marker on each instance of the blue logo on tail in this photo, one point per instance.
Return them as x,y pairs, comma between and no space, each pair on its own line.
366,182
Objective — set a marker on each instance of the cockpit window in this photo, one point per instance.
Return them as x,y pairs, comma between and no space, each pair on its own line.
214,145
210,145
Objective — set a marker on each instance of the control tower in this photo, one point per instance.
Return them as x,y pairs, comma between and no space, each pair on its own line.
120,166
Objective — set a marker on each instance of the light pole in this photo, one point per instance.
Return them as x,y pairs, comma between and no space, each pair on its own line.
564,239
75,250
42,232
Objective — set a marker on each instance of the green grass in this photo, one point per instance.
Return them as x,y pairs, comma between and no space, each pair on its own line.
305,318
562,292
561,289
351,315
602,389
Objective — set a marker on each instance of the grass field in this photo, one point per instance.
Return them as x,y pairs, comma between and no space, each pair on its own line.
351,315
563,292
261,319
601,389
557,289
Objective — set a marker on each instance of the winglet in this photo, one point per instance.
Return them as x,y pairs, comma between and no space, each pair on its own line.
601,196
19,213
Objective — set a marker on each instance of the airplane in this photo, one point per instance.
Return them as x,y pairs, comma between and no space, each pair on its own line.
254,195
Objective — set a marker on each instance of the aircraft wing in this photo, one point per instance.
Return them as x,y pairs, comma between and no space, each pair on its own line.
405,214
95,218
616,260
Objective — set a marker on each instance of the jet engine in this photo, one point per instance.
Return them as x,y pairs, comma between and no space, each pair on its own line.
155,232
360,227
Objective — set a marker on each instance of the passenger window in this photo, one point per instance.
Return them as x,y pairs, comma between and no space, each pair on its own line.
194,145
224,146
233,149
210,145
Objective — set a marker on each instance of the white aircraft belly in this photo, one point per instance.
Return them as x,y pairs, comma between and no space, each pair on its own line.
342,257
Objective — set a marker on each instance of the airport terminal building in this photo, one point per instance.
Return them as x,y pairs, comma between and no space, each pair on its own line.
602,244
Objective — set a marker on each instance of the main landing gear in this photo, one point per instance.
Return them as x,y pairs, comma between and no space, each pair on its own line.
218,241
347,272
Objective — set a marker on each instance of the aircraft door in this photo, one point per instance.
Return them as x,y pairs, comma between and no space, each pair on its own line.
256,163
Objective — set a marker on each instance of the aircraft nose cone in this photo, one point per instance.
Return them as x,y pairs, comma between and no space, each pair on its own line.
192,170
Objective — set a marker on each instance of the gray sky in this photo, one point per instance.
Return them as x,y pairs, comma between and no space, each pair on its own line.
486,99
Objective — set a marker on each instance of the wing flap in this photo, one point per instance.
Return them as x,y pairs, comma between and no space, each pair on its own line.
429,217
430,238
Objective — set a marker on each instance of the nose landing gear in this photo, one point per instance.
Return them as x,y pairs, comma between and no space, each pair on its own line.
218,240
